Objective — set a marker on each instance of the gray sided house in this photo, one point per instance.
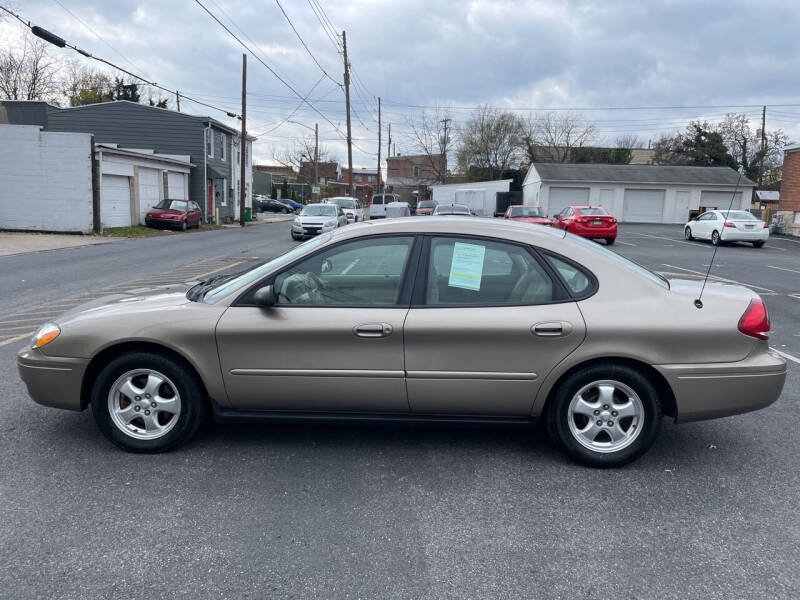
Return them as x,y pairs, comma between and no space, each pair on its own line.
212,145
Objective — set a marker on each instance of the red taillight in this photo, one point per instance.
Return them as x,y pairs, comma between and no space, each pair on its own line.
755,320
766,226
730,225
613,220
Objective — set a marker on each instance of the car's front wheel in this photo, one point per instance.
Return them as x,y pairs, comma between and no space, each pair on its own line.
605,415
687,234
147,402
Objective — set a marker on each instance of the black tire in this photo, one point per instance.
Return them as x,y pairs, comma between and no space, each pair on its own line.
192,395
610,241
687,234
759,244
183,226
295,236
715,238
557,416
285,211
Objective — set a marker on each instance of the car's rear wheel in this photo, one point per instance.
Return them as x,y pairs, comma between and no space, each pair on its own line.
147,402
758,244
715,238
610,241
285,210
687,234
605,415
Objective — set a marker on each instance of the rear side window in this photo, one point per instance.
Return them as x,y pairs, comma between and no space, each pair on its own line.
577,281
469,272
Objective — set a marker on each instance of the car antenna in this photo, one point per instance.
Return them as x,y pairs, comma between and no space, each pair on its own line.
699,301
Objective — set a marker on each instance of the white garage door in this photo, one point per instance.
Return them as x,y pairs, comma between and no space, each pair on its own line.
643,206
720,200
561,197
177,186
149,190
115,208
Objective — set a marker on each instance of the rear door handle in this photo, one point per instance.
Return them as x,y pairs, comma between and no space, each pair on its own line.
373,330
552,329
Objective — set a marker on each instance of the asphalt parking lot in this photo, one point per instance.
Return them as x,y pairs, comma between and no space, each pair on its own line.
406,512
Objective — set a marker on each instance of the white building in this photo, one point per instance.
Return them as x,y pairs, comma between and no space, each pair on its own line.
636,193
479,196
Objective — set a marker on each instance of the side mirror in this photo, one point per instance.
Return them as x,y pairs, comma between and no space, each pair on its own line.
265,296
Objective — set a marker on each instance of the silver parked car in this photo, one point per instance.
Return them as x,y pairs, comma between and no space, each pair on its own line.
318,218
416,320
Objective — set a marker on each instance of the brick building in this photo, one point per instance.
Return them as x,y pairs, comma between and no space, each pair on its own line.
326,171
789,203
414,170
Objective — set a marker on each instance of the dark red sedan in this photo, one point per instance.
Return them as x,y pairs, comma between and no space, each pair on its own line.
179,214
426,207
588,221
527,214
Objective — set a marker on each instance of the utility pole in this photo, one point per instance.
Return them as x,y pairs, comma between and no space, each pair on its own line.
243,142
379,190
389,148
347,105
443,163
316,154
763,146
178,99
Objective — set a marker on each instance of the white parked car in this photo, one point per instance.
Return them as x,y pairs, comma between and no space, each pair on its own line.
727,226
377,207
395,210
452,209
317,218
351,206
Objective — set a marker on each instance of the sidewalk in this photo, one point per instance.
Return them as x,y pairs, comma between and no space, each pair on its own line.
12,242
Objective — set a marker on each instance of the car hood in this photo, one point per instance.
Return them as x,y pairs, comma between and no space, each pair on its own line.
165,212
140,299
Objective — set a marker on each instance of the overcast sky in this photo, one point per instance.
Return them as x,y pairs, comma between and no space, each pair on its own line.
715,57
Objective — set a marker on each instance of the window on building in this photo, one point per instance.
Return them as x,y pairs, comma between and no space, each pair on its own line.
224,148
165,184
357,178
416,170
371,179
210,142
224,192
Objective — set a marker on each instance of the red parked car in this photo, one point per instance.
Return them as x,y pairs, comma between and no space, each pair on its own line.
527,214
426,207
588,221
174,213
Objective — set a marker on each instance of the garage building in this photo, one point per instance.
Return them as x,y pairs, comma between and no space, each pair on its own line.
637,193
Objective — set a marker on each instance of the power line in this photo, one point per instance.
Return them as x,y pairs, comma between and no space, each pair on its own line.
270,69
328,27
314,58
61,43
296,109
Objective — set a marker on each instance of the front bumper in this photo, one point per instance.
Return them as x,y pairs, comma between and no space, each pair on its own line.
311,229
150,222
52,381
712,390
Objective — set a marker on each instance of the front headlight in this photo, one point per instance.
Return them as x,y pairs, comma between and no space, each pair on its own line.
331,223
46,334
297,221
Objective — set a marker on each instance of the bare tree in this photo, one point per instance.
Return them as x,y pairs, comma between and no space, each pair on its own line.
628,141
745,145
29,72
431,135
553,136
490,141
301,153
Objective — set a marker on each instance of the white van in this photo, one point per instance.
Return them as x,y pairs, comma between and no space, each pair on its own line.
377,208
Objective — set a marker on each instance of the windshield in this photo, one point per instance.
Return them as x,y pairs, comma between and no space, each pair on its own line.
172,205
739,215
636,268
343,202
225,287
526,211
319,210
592,211
427,204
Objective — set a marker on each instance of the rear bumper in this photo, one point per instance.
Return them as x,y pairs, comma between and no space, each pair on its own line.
708,391
736,235
588,231
52,381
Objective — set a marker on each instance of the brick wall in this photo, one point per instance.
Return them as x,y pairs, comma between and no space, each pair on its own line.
403,167
790,186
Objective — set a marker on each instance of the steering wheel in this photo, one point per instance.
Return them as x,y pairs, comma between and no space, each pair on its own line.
314,280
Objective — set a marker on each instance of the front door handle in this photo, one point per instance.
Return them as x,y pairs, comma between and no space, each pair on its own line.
552,329
373,330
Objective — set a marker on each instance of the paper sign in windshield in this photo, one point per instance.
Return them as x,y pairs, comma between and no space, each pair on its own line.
466,269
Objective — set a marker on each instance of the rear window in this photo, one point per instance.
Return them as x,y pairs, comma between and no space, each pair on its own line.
427,204
739,215
526,211
592,211
377,199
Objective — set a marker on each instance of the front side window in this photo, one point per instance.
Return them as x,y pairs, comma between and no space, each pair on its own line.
464,271
360,273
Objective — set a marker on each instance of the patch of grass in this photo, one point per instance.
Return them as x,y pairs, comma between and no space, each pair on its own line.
140,231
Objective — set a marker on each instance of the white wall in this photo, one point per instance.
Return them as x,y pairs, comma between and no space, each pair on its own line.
678,201
45,180
446,194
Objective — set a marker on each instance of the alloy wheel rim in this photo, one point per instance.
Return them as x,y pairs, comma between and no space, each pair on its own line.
144,404
605,416
715,237
687,233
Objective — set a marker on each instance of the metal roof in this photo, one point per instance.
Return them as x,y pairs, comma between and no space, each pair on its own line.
658,174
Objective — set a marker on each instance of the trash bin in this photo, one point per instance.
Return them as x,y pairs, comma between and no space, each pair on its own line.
247,213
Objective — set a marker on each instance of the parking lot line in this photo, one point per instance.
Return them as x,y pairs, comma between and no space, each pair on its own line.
722,279
784,269
661,237
785,355
625,243
783,239
18,338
